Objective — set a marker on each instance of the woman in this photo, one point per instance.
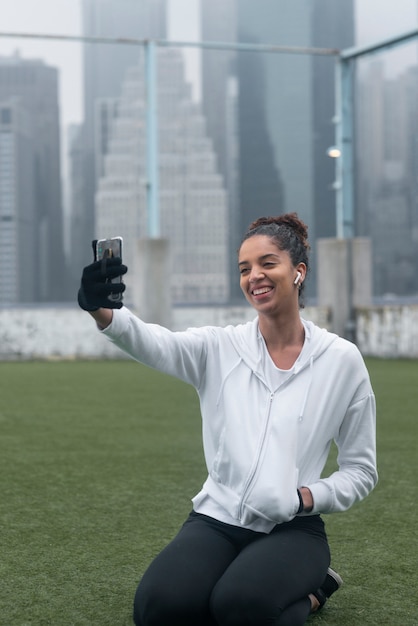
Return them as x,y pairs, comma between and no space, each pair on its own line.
273,393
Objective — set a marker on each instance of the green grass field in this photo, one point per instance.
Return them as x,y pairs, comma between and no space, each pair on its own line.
99,461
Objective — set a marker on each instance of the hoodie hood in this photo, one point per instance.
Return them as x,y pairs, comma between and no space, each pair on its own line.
250,349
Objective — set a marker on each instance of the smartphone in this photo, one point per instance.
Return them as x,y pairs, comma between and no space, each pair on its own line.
106,248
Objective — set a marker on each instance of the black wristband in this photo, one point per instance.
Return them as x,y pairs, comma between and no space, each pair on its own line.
301,506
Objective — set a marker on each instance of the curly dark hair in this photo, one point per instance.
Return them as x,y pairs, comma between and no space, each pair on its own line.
289,233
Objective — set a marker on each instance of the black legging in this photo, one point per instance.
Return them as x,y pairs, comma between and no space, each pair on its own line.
214,574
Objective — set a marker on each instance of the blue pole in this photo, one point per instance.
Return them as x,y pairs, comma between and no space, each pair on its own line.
153,213
338,183
344,141
347,143
383,44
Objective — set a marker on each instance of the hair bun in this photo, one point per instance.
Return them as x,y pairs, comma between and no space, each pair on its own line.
291,220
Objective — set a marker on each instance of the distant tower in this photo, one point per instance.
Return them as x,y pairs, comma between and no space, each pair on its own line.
192,197
387,189
285,104
233,93
18,223
332,27
104,69
29,96
283,96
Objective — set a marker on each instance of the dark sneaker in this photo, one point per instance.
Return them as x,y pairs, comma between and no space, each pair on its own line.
331,584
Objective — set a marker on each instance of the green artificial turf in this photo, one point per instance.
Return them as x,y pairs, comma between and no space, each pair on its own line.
99,460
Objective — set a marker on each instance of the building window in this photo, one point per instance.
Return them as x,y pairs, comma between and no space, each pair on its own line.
6,116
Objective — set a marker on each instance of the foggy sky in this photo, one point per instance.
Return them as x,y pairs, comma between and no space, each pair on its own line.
63,17
378,19
375,19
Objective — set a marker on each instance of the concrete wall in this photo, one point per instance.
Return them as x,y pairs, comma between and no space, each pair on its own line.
51,333
388,331
61,333
150,295
344,280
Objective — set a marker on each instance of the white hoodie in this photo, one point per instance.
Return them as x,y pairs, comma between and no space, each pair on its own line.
262,442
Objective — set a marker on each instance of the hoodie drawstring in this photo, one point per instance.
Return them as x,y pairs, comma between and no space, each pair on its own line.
307,389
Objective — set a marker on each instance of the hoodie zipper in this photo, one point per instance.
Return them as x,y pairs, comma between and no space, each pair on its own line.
253,471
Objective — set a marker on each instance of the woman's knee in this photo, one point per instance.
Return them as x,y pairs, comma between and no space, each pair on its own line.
237,607
154,607
162,606
154,614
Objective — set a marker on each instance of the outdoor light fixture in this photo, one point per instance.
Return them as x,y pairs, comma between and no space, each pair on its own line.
334,152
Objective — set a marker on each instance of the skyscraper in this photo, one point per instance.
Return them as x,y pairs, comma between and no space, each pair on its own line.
29,92
386,178
233,87
285,106
218,23
104,70
17,206
193,203
332,27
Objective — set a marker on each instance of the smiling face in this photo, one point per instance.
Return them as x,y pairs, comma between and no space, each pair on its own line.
268,276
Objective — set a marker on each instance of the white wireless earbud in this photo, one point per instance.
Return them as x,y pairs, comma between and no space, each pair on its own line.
297,279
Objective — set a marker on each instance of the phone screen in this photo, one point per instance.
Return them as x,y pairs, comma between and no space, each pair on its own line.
106,248
109,247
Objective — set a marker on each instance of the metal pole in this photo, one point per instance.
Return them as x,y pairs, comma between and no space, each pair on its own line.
344,141
153,213
383,44
339,213
347,142
214,45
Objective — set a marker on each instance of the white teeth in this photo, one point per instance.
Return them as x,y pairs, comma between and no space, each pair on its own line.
258,292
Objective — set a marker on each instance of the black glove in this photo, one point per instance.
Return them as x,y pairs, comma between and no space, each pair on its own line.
96,289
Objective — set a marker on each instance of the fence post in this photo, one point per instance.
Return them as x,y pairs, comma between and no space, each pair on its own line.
153,213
